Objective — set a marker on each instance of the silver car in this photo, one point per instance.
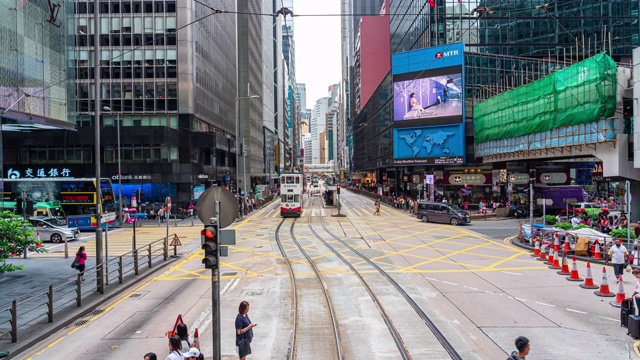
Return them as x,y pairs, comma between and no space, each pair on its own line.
52,229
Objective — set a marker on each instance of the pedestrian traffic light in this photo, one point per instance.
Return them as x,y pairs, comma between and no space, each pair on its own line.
338,189
209,240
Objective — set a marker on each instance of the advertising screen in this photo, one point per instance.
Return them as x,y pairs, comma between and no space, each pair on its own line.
428,106
428,97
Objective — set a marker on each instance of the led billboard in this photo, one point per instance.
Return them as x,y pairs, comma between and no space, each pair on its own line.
428,105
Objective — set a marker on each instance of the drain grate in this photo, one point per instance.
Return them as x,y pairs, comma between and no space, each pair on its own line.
81,322
230,273
135,295
96,312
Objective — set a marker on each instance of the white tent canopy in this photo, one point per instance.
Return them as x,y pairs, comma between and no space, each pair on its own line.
591,234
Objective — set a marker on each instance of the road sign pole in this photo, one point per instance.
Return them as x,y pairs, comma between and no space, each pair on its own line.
215,293
106,251
168,216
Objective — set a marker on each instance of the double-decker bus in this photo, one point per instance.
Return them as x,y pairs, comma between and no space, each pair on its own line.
75,199
291,190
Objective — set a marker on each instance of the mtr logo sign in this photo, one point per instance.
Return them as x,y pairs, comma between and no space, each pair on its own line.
443,54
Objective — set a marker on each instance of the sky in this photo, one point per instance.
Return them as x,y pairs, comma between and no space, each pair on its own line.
317,41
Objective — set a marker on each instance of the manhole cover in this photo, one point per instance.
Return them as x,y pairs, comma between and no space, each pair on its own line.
134,296
253,292
230,273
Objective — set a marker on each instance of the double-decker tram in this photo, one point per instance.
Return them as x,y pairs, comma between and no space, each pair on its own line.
291,188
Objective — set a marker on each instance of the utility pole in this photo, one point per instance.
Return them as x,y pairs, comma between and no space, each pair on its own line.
532,180
244,171
96,126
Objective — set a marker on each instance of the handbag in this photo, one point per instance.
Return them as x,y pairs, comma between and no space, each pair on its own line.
244,348
75,263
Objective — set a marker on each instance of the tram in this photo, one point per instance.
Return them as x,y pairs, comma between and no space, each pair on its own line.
291,190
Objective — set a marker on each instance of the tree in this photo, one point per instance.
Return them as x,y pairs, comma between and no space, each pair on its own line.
15,237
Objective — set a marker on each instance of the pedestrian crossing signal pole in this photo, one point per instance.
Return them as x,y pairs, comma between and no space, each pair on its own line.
211,246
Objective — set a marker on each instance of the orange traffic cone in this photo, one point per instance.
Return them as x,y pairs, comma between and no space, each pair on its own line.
556,261
536,250
196,342
565,266
604,286
596,253
574,271
620,295
543,255
550,256
556,243
588,280
567,245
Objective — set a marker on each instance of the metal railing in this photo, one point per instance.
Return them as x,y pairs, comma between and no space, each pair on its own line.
32,308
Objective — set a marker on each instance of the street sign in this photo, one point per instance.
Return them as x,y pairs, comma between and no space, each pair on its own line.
570,200
547,202
106,217
228,206
175,241
168,204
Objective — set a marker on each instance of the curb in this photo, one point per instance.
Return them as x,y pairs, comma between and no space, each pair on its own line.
71,315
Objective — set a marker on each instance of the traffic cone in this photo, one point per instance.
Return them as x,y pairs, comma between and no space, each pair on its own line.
574,271
620,295
543,255
536,250
565,266
567,245
556,243
596,253
588,281
604,286
556,261
550,256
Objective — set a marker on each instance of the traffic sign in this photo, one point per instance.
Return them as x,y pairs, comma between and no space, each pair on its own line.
168,204
175,241
228,206
106,217
547,202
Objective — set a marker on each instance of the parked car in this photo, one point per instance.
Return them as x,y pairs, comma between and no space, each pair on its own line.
442,212
53,229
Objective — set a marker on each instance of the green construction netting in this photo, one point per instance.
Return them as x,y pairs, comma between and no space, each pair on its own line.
579,94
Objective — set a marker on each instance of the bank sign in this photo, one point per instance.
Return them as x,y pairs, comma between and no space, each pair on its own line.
39,173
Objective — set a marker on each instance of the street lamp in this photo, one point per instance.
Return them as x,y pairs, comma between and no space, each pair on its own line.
244,151
106,108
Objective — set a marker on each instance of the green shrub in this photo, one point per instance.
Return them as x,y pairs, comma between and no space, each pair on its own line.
583,226
549,219
563,225
15,237
621,233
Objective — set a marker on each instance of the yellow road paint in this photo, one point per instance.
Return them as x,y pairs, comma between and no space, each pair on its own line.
494,265
446,256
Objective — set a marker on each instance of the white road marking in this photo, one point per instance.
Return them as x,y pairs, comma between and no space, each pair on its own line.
577,311
606,318
511,273
520,299
232,282
543,304
471,288
432,279
450,283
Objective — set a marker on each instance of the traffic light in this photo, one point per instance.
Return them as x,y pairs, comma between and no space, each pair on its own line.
209,240
338,189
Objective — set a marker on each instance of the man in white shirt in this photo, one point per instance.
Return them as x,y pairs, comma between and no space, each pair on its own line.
575,221
618,255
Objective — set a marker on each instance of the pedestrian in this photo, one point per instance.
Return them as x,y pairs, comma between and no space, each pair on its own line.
193,353
618,255
523,346
81,257
244,330
636,292
191,207
377,212
183,333
150,356
175,344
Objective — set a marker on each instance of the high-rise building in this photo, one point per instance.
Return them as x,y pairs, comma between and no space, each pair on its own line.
288,42
317,125
301,96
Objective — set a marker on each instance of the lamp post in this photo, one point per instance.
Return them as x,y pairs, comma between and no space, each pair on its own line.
244,152
106,108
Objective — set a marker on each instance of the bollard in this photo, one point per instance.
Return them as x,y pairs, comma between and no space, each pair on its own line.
120,269
14,321
149,246
79,291
135,261
50,304
66,248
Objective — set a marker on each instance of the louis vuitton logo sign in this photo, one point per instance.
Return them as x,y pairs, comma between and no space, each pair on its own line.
54,10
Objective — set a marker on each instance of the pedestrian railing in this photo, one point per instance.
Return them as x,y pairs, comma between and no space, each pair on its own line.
44,305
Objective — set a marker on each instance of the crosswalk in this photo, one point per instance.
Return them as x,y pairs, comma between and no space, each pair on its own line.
359,211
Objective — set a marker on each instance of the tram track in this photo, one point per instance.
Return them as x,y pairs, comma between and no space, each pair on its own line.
447,346
305,335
